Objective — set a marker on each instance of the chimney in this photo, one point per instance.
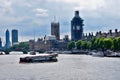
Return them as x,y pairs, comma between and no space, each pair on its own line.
116,31
89,34
92,33
110,31
86,35
100,32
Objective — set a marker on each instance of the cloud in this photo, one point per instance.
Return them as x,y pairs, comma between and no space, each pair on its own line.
6,7
83,4
27,15
41,12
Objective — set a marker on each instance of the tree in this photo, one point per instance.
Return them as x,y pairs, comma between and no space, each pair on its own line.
108,43
93,43
71,45
115,44
118,43
84,44
23,46
101,43
89,45
97,44
78,44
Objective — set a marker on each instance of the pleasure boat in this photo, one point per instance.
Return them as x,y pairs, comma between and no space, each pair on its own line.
46,57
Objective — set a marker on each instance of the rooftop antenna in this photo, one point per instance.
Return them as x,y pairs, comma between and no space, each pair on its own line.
34,40
34,34
55,18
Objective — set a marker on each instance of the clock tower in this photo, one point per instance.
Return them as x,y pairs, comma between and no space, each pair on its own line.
76,27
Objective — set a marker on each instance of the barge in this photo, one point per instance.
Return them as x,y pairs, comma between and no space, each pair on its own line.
46,57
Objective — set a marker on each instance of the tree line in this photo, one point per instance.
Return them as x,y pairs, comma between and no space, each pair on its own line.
22,46
96,44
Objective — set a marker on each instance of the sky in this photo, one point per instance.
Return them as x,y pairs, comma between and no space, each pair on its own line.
34,17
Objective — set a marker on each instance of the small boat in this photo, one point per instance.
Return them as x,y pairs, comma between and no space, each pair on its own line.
113,54
98,54
40,58
1,53
32,53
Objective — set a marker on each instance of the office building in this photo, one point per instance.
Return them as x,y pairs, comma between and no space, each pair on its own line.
14,36
0,43
7,45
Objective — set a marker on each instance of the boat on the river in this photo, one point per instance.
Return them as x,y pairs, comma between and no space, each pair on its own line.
46,57
109,53
1,53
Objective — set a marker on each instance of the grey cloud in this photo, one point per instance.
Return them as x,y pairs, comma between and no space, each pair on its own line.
28,15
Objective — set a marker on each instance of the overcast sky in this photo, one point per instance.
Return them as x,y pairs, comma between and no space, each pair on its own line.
35,16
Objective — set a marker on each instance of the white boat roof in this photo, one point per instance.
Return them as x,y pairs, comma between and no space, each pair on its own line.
29,55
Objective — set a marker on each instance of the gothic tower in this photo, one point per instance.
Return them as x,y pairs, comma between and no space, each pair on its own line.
55,30
76,27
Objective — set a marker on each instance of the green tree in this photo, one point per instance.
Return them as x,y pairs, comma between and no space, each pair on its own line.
84,44
78,44
115,44
118,43
21,46
97,44
100,43
108,43
71,45
93,43
89,45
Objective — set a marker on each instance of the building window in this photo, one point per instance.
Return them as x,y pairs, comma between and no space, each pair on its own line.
78,27
73,27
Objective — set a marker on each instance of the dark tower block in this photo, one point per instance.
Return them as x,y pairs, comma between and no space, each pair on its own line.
76,27
7,45
14,36
0,43
55,30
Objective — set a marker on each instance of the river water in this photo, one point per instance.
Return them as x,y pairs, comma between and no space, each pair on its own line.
68,67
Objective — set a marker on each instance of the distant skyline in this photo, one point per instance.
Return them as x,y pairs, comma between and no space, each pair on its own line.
31,17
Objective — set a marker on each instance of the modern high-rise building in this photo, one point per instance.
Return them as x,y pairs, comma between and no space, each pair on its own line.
14,36
7,45
76,27
55,30
0,43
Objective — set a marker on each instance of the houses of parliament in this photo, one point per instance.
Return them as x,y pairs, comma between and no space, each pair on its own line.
54,42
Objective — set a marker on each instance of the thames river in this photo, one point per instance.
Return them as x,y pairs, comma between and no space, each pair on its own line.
68,67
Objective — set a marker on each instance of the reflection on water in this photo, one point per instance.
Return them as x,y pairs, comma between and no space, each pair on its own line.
68,67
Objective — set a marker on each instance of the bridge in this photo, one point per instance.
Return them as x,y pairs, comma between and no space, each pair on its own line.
7,51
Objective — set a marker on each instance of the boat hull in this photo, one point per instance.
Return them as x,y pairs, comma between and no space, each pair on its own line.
39,58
